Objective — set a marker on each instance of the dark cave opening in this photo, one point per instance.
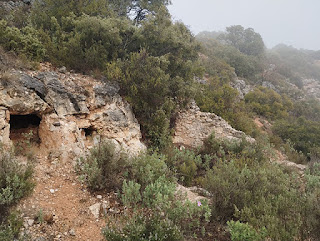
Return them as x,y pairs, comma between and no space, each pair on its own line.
25,128
88,132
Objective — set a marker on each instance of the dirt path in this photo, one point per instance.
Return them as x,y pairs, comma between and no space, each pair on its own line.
61,203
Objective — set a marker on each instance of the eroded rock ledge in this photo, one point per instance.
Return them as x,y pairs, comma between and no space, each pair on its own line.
73,110
194,126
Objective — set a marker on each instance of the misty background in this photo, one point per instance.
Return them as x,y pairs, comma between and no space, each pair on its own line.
292,22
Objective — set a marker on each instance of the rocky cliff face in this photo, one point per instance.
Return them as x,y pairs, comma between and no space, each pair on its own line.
194,126
73,111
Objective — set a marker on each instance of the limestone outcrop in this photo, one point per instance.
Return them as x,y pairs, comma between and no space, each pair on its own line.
241,87
312,88
193,127
74,111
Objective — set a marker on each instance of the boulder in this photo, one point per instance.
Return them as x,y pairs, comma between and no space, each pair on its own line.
193,127
241,87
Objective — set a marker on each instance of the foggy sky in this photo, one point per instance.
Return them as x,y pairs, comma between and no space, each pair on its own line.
293,22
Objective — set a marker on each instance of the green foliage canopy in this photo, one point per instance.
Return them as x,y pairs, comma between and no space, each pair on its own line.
247,41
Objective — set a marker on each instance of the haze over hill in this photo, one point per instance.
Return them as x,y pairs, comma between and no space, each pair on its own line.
119,123
292,22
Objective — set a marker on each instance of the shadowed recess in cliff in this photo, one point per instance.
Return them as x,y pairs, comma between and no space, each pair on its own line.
24,127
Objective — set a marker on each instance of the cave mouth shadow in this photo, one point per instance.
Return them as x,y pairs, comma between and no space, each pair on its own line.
25,128
88,132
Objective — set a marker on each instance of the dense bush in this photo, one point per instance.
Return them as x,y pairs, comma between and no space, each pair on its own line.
156,210
15,183
242,150
10,229
86,43
186,164
23,41
163,37
263,196
247,41
43,11
311,206
147,168
158,213
143,228
144,82
243,231
303,134
310,109
103,167
268,103
190,166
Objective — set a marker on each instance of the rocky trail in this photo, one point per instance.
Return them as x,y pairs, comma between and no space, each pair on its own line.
59,207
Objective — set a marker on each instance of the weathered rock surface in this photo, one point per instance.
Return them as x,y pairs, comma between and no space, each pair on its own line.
75,110
11,5
312,88
4,125
194,126
241,87
190,194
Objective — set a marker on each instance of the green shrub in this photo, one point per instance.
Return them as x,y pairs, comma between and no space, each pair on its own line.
86,43
144,228
243,150
261,195
23,41
15,181
186,164
157,213
311,206
103,167
304,135
294,155
243,231
147,168
44,10
131,193
190,166
10,229
268,103
146,85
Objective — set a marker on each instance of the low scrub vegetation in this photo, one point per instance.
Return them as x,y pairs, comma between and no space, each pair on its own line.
15,183
103,167
160,66
255,198
158,213
148,189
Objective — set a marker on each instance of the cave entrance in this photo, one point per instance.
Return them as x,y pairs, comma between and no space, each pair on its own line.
88,132
24,129
88,135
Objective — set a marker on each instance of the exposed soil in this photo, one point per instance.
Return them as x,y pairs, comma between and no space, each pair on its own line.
60,204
